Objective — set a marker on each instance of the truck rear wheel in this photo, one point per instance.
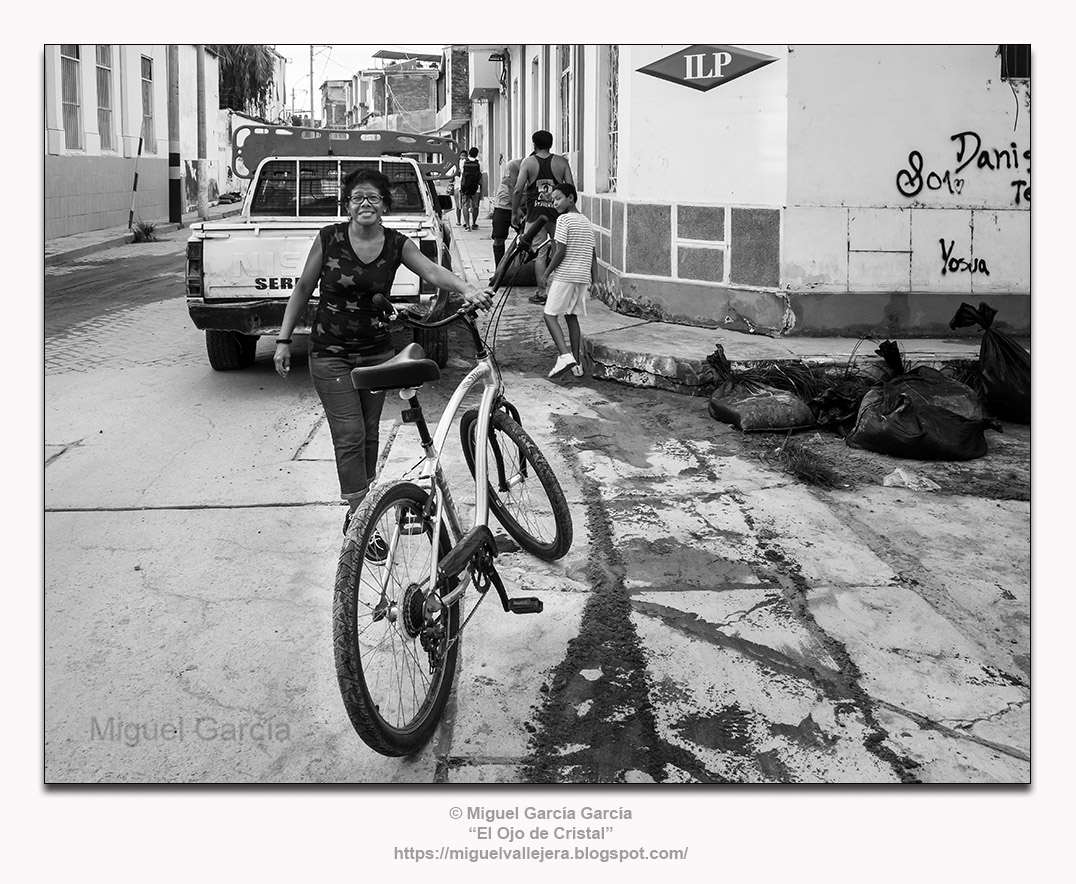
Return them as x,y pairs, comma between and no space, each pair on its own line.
435,342
230,350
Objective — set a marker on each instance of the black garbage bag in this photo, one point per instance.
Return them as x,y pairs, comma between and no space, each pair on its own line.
922,415
752,404
1004,366
753,407
837,406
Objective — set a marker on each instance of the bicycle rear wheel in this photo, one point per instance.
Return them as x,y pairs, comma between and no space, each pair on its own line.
393,687
524,493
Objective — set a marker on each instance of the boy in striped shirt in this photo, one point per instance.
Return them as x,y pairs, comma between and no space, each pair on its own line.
573,268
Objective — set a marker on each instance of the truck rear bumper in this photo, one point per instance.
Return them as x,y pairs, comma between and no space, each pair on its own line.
265,317
247,317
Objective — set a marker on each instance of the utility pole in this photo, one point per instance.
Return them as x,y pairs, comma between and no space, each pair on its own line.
203,172
175,170
311,84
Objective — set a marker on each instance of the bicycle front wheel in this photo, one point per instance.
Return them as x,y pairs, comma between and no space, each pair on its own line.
524,493
394,667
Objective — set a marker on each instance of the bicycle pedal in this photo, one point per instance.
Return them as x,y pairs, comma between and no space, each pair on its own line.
525,605
412,525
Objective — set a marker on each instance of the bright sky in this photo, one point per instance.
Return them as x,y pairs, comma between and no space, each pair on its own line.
333,61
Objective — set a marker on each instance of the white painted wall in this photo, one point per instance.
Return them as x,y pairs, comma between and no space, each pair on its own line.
864,214
857,112
727,146
188,103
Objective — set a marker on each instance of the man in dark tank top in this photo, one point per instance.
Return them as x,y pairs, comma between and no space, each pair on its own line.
533,198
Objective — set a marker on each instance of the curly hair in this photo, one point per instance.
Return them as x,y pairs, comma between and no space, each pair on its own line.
368,176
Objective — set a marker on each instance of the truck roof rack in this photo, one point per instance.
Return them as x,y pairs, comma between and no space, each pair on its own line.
251,144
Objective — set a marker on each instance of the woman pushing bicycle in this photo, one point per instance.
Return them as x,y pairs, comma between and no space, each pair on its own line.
350,263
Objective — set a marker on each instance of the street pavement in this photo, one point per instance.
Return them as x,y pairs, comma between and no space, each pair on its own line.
630,350
715,620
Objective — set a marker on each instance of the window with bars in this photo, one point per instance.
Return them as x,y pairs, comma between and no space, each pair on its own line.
319,188
1015,61
314,186
275,190
614,112
104,97
149,130
71,87
565,52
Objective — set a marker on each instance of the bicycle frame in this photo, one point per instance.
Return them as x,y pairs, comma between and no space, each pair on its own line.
488,375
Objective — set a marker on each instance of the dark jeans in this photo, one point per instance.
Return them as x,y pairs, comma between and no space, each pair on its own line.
470,208
353,416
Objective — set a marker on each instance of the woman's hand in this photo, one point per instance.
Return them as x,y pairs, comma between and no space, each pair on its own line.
478,297
282,359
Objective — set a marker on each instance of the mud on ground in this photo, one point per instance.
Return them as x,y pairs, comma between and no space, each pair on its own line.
1003,473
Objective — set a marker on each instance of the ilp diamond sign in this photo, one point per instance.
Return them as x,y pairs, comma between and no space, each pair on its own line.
703,66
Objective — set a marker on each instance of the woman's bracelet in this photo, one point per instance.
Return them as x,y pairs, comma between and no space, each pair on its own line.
283,340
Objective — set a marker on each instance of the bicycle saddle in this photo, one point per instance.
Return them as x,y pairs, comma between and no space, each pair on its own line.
408,368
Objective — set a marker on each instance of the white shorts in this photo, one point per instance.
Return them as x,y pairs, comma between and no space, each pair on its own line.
566,297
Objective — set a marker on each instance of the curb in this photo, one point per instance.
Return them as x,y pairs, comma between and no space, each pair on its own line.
682,373
123,239
82,251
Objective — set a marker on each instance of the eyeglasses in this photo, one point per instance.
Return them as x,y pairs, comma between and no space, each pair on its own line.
359,198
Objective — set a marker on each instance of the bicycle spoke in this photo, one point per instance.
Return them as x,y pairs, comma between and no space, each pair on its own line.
394,664
524,494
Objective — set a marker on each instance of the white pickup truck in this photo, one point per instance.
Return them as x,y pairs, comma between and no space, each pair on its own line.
240,272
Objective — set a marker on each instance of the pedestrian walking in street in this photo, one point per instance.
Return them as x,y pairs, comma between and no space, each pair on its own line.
532,198
350,263
471,188
502,209
457,198
573,268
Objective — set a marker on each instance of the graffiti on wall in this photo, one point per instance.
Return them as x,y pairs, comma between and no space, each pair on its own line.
972,157
957,264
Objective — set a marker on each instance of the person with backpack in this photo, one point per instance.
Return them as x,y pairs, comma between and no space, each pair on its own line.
471,189
532,199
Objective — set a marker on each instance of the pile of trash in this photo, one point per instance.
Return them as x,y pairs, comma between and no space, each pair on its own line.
910,412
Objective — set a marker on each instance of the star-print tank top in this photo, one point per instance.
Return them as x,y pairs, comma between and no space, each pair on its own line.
346,322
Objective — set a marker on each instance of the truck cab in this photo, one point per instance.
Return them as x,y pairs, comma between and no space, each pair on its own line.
240,271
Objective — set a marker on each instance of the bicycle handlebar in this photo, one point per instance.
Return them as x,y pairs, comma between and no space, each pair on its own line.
382,303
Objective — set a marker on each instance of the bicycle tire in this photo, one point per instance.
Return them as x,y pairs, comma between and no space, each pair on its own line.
541,525
393,699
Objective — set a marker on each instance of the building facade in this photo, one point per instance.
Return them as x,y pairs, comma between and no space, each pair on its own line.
277,108
402,96
454,106
106,119
336,98
785,189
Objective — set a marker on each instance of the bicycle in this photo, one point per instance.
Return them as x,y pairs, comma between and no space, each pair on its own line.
398,591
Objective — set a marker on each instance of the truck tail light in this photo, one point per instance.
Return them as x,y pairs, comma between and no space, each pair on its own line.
194,267
428,247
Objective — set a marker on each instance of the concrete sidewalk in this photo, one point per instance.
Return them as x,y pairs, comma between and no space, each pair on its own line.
649,353
77,245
